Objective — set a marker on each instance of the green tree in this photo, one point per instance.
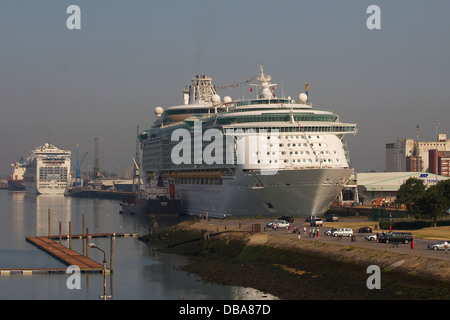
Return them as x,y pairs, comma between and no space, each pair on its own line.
434,202
444,189
409,192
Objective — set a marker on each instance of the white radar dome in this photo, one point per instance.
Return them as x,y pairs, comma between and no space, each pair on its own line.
159,111
215,98
227,99
302,97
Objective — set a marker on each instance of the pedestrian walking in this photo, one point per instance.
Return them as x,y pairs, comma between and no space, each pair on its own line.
298,236
317,232
310,233
446,246
304,229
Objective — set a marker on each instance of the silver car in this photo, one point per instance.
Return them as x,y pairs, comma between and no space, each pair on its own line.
438,245
371,237
343,232
278,224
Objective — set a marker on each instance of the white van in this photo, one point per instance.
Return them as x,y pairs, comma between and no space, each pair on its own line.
311,218
343,232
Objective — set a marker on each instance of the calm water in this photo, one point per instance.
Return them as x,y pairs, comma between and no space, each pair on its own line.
139,272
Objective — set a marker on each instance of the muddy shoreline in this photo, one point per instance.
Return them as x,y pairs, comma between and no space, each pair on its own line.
291,269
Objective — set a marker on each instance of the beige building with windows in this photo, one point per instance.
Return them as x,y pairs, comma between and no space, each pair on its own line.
409,155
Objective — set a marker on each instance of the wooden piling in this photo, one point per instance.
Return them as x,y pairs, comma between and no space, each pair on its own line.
82,224
87,242
111,246
70,235
49,223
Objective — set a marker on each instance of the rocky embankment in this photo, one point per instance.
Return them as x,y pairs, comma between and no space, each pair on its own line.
297,269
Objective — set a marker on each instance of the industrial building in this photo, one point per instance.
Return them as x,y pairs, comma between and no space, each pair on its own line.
412,155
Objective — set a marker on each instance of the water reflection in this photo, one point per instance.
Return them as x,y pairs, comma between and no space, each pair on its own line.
139,271
59,208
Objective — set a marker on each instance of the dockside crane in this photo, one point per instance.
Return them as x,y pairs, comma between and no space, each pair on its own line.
78,169
137,169
97,180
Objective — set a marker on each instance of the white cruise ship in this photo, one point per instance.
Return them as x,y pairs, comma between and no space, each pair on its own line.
259,157
47,170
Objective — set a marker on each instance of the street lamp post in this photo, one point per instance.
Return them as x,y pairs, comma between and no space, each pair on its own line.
104,297
436,123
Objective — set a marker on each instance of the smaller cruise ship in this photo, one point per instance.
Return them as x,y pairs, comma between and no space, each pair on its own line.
15,180
47,170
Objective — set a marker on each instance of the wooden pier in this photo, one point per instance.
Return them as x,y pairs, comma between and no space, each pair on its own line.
64,254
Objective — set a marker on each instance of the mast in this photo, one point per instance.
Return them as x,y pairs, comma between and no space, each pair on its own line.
265,91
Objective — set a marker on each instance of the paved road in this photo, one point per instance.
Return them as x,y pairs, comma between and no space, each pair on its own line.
420,245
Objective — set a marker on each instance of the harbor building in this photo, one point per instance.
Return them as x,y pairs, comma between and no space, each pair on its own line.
385,185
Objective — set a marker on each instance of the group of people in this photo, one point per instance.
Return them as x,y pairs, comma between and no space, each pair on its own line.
313,233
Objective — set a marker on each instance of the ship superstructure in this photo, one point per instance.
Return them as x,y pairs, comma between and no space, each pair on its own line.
47,170
15,180
262,156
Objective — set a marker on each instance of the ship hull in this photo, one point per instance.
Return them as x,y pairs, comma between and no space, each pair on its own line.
298,193
151,206
50,189
16,185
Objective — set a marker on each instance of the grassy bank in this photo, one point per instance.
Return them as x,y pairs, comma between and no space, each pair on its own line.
239,259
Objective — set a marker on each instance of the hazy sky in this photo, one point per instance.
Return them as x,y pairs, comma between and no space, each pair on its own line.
62,86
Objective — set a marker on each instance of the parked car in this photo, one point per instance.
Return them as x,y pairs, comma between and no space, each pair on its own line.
329,232
310,218
343,232
373,237
365,230
316,222
332,218
287,218
404,237
278,224
438,245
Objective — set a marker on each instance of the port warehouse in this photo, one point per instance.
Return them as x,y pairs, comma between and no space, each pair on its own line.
385,185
